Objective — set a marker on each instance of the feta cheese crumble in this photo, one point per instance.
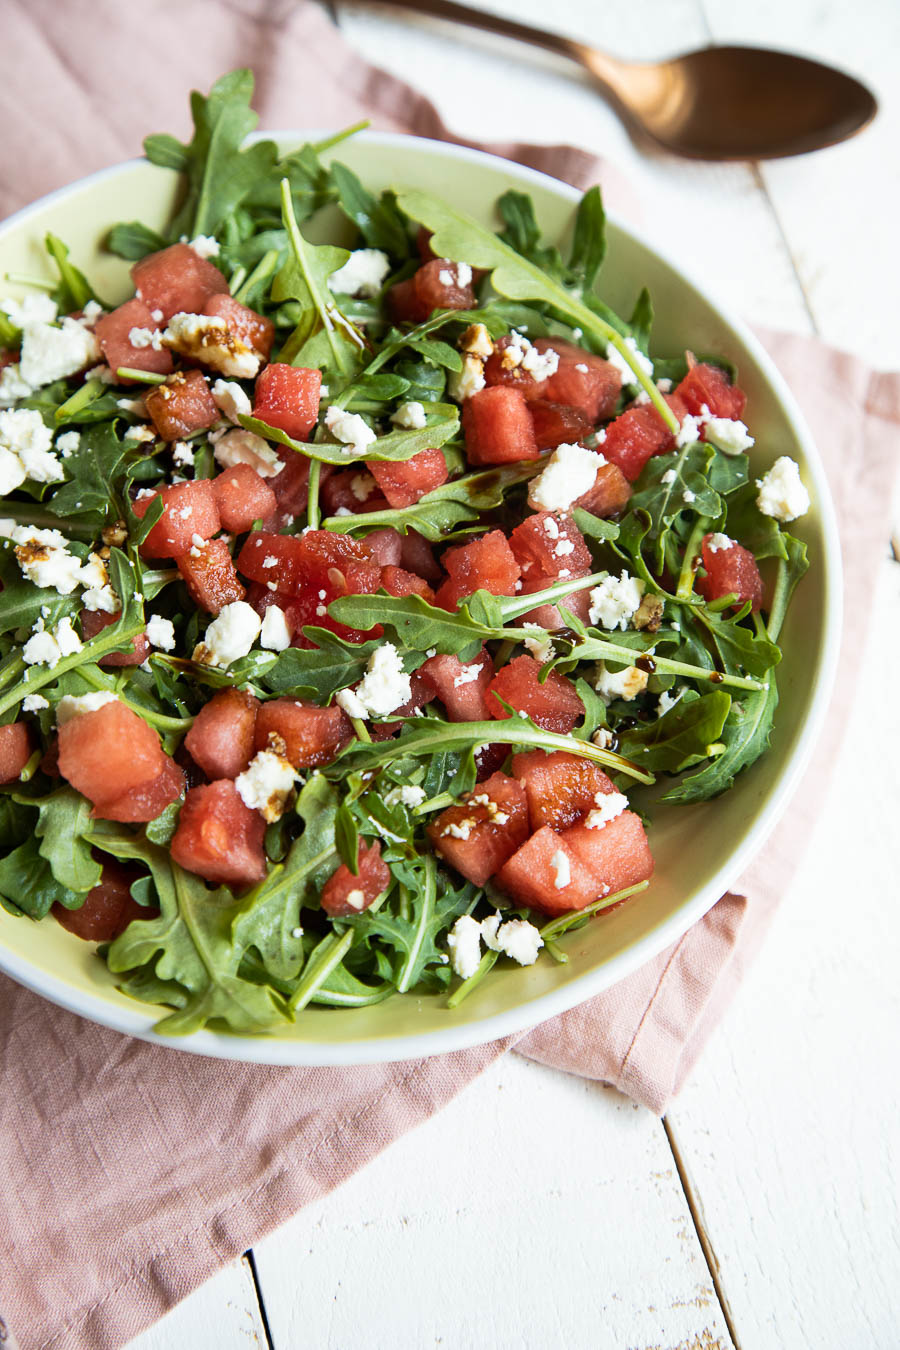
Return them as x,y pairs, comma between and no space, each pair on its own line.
615,358
781,492
354,434
608,805
541,647
477,341
205,246
719,543
70,706
146,337
462,384
517,938
385,685
208,339
570,472
160,633
562,869
727,434
183,455
625,684
464,942
408,795
521,354
668,698
245,447
54,353
231,399
27,441
689,431
410,416
266,784
351,705
467,675
230,635
44,557
362,274
34,703
274,636
615,601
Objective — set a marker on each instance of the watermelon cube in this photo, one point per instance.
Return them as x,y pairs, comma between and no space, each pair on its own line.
533,874
384,547
560,787
610,492
147,800
497,427
461,686
345,894
404,481
269,557
108,907
731,569
397,581
222,738
15,750
708,385
242,497
487,563
176,280
188,509
254,330
504,367
417,555
182,405
219,837
291,484
209,575
442,284
548,546
551,617
109,751
112,332
479,835
302,732
93,621
288,397
552,704
582,380
353,490
617,854
557,424
404,305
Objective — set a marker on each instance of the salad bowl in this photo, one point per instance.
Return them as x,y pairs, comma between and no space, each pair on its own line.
699,849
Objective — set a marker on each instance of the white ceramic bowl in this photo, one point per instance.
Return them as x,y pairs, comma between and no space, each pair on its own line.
699,850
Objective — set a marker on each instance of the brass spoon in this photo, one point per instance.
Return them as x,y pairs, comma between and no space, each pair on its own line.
717,103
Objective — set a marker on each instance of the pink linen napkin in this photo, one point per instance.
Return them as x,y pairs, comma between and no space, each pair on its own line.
130,1173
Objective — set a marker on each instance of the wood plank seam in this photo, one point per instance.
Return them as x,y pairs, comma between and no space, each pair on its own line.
248,1260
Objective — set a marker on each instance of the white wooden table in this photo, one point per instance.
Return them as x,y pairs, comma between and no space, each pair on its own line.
762,1213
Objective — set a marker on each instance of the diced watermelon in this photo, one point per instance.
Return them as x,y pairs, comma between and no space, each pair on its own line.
552,704
188,509
486,563
461,686
7,357
288,397
437,286
310,605
108,908
397,581
112,332
404,305
109,751
345,894
610,492
730,571
177,281
50,761
242,497
384,547
404,481
417,555
530,876
477,836
254,330
637,434
314,568
500,370
181,406
269,557
617,854
423,244
219,837
291,484
551,617
260,597
93,621
147,800
706,384
557,424
548,544
210,577
222,738
497,427
352,490
582,380
15,750
560,787
489,758
310,735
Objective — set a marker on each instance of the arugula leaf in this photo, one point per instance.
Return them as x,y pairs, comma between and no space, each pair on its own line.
28,883
739,648
442,425
523,233
745,735
316,672
74,289
414,938
133,240
64,818
436,353
94,476
378,220
790,571
682,736
589,239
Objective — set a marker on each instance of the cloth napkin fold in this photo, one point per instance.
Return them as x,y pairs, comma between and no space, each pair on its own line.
129,1173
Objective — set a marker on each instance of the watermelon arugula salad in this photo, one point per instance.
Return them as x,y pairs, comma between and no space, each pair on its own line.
352,598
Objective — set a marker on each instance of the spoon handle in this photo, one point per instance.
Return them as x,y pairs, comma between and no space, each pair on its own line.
492,23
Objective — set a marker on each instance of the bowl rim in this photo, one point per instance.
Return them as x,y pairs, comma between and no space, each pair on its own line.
273,1050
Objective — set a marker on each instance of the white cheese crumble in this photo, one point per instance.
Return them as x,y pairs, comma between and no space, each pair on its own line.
521,354
208,339
615,358
351,705
719,543
562,868
462,384
353,432
35,308
69,706
464,942
603,737
517,938
50,353
726,433
205,246
477,341
266,784
571,471
689,431
44,557
410,416
385,685
781,492
408,795
24,436
687,496
68,443
34,703
362,485
457,274
356,899
183,455
541,647
230,635
669,477
274,636
245,447
12,385
608,806
362,274
231,399
616,600
146,337
467,675
160,633
668,698
625,684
